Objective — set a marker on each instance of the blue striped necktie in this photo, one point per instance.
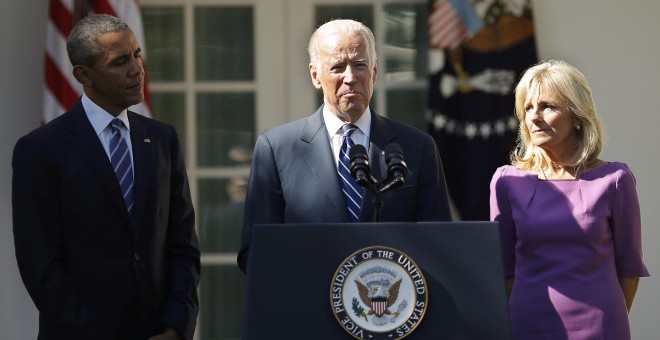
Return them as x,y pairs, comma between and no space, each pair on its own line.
352,191
121,163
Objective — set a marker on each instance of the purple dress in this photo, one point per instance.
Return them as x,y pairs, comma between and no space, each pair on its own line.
566,242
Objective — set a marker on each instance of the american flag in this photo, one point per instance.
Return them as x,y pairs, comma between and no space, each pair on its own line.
61,90
446,28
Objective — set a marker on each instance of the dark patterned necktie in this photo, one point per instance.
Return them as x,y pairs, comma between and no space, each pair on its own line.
121,163
352,191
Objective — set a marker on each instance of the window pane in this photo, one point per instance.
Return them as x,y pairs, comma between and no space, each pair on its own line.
405,50
220,214
222,290
408,106
224,43
163,32
361,13
225,128
170,108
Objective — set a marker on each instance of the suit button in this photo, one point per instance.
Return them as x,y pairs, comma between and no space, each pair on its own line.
137,257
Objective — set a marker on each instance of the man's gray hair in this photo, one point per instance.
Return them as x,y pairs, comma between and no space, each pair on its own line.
83,46
341,27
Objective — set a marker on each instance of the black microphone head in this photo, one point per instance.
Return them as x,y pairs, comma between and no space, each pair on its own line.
357,150
396,166
360,169
393,150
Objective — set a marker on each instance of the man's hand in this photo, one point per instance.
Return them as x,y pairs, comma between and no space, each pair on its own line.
169,334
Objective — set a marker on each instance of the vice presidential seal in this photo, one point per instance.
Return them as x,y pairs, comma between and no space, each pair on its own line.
379,293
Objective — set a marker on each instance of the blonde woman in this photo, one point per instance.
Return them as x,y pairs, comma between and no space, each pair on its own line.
570,222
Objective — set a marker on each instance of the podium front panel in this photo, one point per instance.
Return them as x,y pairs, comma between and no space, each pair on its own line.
291,268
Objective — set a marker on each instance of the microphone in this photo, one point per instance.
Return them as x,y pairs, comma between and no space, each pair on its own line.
360,169
396,166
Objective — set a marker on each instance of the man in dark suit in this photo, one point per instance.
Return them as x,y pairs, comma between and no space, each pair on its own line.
294,176
106,253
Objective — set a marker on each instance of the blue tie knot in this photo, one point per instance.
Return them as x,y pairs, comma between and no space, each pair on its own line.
117,123
347,130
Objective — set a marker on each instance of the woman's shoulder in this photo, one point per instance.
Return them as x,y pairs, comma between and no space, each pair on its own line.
513,171
608,168
616,173
620,166
512,176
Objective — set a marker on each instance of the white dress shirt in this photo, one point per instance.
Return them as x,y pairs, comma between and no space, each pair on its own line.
100,120
333,125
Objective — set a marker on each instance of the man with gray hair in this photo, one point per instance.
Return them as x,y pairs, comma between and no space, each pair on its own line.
104,227
298,175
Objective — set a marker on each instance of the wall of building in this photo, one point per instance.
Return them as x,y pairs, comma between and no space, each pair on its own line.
614,43
22,37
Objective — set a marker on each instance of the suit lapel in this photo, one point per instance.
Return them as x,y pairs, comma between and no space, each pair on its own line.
317,153
143,162
83,139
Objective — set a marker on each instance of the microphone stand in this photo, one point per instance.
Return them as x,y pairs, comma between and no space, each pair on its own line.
378,194
361,172
370,183
378,190
378,204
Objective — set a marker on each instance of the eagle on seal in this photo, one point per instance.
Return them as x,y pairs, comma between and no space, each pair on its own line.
378,297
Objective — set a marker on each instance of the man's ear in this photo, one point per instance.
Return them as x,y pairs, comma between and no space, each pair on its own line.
81,73
313,72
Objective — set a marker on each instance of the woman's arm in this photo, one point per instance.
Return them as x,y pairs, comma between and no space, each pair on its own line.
629,288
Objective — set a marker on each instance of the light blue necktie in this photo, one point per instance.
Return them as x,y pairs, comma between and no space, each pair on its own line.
121,163
352,191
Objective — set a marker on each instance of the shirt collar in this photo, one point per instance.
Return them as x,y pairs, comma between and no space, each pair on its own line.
334,124
99,118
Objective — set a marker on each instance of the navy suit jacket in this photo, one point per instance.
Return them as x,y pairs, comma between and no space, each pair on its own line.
91,273
294,179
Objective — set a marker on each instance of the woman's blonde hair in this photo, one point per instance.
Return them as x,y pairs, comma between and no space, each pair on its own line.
571,88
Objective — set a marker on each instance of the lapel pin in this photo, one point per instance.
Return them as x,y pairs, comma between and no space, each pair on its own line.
147,140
